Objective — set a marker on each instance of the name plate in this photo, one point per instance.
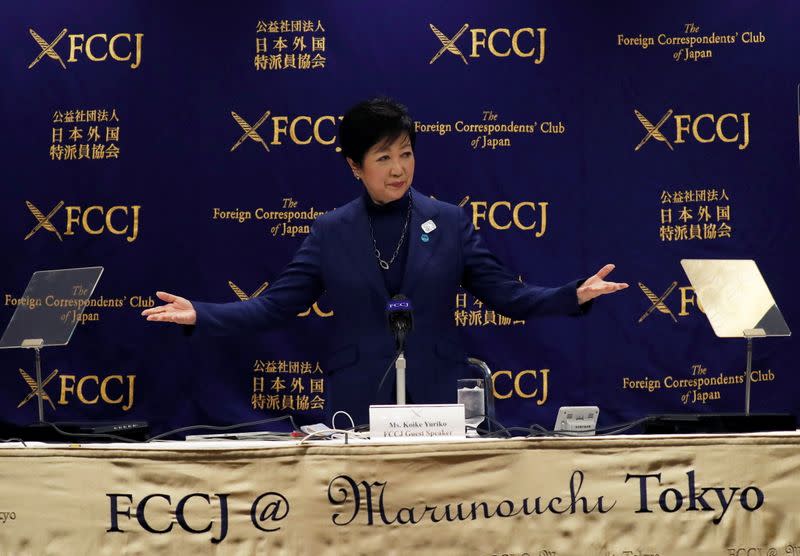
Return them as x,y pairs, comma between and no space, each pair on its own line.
417,422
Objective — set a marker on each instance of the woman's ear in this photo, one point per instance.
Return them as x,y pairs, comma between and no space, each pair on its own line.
354,167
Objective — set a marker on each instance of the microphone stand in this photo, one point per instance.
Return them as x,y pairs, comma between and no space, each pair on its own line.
400,381
398,312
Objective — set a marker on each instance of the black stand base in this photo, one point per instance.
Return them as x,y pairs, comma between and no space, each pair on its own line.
78,431
698,423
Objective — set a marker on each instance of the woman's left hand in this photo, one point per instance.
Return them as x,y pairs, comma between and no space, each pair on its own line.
597,286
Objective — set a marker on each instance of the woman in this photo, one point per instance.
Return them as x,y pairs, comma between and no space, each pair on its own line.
390,240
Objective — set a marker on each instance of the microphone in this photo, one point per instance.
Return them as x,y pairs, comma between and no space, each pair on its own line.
400,318
401,321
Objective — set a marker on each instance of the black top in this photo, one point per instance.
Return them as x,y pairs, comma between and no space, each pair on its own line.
387,224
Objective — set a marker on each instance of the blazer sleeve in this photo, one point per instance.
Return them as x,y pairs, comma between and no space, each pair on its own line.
485,277
298,286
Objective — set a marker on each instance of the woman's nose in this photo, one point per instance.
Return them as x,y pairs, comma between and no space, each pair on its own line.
397,168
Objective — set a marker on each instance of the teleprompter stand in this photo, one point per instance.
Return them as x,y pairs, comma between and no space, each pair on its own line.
738,304
47,315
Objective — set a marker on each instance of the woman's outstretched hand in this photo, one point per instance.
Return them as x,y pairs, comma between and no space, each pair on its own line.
597,286
177,310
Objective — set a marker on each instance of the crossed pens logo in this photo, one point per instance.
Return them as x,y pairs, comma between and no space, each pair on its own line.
120,220
461,204
653,131
502,42
35,390
42,221
48,49
98,47
448,44
657,301
300,130
243,296
250,132
240,293
704,128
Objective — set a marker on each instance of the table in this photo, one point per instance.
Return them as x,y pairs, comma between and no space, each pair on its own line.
625,495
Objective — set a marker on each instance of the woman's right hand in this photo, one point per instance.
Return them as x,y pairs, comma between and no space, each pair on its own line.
177,310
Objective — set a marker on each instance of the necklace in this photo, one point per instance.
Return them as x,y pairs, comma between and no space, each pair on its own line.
385,264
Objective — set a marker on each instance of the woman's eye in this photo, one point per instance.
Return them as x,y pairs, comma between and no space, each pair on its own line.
407,154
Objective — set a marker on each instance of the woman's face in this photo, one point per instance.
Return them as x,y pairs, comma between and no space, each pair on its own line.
387,170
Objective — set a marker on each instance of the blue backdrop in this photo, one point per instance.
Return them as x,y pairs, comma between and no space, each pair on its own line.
187,147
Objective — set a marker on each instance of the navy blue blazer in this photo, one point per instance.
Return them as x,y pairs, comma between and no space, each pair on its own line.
337,257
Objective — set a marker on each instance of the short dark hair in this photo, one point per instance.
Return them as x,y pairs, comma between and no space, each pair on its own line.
373,121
